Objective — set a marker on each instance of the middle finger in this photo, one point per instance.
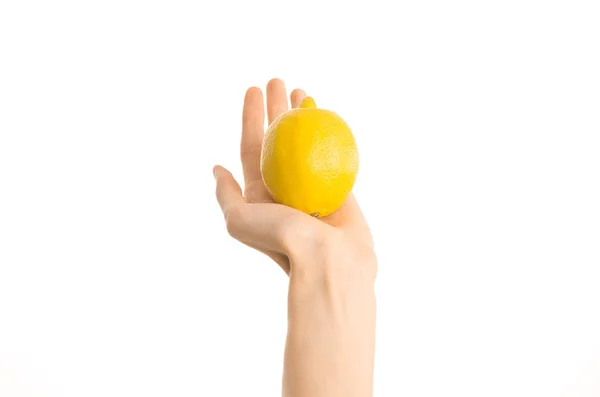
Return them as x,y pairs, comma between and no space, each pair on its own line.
277,102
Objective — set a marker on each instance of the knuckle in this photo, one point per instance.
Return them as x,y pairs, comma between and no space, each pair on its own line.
256,192
250,152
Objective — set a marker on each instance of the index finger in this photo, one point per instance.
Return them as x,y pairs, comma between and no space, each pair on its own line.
253,123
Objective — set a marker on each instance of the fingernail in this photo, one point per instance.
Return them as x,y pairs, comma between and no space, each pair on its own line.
215,171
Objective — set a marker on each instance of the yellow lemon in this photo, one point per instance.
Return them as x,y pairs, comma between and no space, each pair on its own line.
309,159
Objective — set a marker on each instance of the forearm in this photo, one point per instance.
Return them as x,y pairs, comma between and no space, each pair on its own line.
331,335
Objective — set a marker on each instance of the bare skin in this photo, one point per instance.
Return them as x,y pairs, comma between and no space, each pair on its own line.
330,261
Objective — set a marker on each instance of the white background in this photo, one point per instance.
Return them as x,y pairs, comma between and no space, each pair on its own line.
477,124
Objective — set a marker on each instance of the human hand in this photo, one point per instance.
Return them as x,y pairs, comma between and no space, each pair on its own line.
290,237
331,300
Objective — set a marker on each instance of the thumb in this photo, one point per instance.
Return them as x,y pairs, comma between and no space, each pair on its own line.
229,193
266,226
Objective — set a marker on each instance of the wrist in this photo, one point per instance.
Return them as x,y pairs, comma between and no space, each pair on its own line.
333,258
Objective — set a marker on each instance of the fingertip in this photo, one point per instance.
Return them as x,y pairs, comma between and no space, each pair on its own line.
253,92
221,172
275,82
276,87
298,92
297,96
217,171
277,100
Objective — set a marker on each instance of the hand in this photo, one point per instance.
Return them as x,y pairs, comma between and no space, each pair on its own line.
290,237
331,299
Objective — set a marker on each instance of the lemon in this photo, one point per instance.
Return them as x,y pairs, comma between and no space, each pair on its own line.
309,159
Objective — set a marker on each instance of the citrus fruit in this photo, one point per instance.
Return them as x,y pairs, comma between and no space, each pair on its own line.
309,159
